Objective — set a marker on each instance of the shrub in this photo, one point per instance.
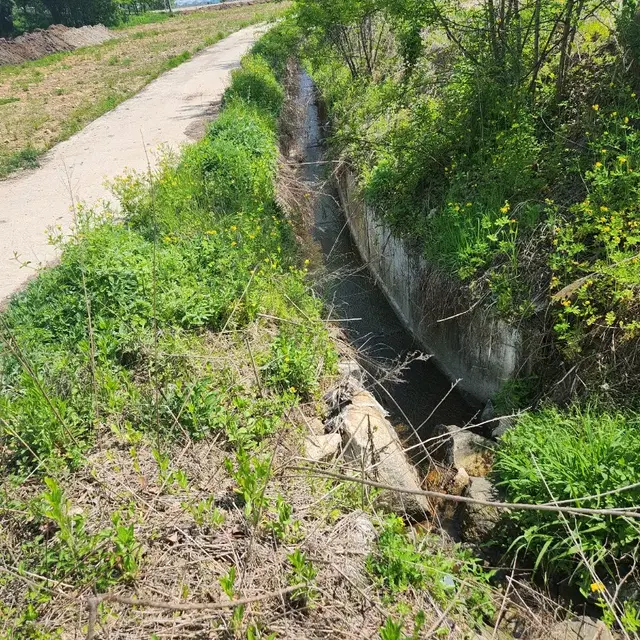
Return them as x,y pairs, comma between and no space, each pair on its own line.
567,456
256,84
278,45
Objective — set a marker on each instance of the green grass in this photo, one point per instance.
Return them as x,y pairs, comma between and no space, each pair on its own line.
565,456
152,17
4,101
205,228
24,159
404,561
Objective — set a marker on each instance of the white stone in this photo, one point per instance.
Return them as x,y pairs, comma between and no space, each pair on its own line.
322,448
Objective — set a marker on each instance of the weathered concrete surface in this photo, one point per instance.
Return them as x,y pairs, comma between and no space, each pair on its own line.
475,346
372,445
169,111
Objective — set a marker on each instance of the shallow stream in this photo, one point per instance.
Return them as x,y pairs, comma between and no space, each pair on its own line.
425,397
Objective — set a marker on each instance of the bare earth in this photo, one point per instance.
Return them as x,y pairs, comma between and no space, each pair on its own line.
169,111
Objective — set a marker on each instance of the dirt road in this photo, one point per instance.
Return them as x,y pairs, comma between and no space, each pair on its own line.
170,111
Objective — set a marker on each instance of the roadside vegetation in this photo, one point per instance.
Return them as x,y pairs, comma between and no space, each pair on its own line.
48,100
155,390
501,139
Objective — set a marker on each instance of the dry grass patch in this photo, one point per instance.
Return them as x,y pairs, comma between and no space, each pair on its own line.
48,100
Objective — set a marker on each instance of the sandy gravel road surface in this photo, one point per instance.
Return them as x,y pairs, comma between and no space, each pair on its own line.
170,111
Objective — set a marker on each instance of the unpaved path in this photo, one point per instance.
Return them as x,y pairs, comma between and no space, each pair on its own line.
170,111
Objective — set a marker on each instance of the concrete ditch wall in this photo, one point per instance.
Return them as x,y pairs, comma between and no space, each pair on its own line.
43,42
476,347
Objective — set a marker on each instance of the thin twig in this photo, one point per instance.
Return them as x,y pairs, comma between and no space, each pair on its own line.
515,506
93,603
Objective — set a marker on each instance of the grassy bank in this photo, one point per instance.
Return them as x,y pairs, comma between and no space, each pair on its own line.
48,100
155,390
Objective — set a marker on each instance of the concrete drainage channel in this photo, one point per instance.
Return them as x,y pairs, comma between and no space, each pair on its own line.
369,417
364,413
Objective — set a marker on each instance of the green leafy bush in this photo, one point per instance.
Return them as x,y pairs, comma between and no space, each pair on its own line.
278,45
567,457
298,356
256,83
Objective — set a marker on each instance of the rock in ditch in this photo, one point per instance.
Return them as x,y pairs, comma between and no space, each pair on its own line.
322,448
370,443
478,521
461,448
502,425
350,368
582,628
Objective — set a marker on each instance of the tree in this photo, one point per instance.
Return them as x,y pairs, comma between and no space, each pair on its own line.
6,17
75,13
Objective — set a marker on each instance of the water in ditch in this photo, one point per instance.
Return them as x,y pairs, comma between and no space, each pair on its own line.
424,398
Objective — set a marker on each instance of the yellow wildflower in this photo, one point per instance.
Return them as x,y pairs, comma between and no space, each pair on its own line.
292,389
233,227
506,208
597,587
595,107
598,165
234,243
211,232
603,208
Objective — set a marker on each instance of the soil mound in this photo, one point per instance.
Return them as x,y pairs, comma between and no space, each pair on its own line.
42,42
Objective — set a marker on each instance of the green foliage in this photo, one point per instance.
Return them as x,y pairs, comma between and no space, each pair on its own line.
299,355
203,247
6,17
393,630
511,163
568,456
74,553
205,513
302,572
279,44
283,527
24,159
400,563
251,474
256,84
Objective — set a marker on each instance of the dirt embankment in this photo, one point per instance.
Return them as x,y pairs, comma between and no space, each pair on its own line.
42,42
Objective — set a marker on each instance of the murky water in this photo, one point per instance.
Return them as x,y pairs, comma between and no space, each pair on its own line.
424,398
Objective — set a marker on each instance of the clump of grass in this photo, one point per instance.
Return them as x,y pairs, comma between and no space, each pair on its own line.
581,457
256,83
24,159
400,563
